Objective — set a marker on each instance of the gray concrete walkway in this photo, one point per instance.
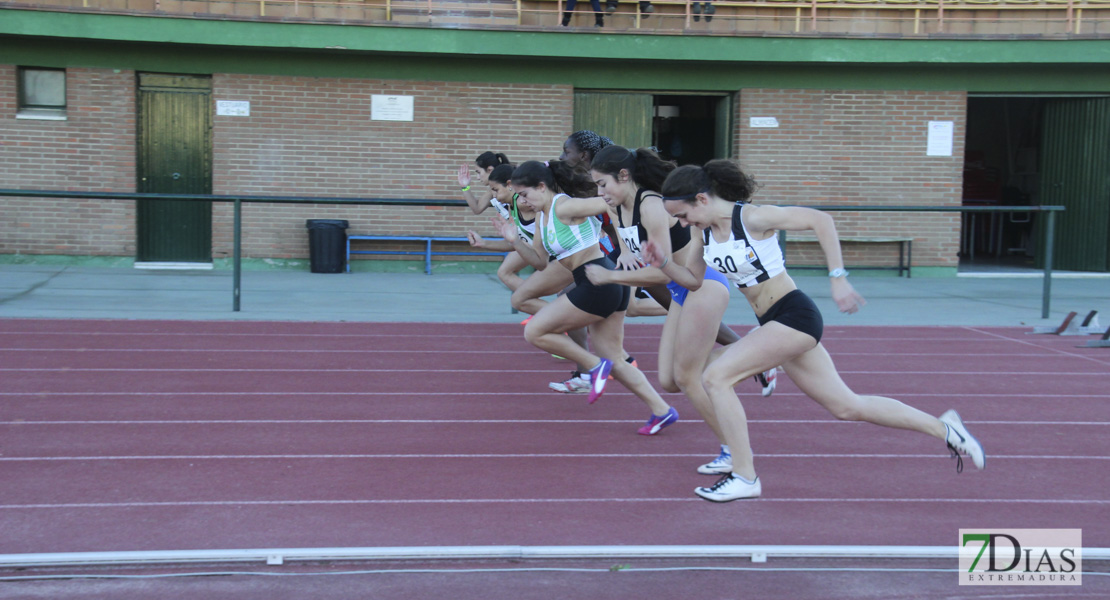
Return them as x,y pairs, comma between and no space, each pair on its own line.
45,291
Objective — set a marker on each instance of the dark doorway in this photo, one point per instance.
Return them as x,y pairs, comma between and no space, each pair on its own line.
174,157
1001,168
691,130
1037,150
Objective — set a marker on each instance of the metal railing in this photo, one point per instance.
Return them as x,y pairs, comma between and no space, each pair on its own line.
238,200
896,18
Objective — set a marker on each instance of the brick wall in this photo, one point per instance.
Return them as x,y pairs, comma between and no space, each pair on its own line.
314,137
859,148
305,136
92,150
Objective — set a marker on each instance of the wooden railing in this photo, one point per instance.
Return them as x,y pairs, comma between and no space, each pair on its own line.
864,18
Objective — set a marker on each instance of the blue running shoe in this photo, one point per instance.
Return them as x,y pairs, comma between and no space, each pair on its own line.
599,376
720,465
656,424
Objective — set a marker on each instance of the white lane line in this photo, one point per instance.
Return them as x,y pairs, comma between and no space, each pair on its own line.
646,351
492,421
946,372
1069,352
511,456
527,394
993,338
1051,501
224,334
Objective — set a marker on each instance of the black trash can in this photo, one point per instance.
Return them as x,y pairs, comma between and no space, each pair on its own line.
327,245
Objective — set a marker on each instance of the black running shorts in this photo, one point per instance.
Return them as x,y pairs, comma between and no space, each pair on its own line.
797,311
600,300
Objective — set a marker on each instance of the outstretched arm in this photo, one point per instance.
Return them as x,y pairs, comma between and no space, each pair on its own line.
533,254
575,209
680,274
767,219
478,241
476,202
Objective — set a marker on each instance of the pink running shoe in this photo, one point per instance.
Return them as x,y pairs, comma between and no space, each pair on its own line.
656,424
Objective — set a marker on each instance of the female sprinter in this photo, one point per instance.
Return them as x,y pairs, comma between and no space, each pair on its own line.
580,148
567,228
627,180
502,200
484,165
741,242
528,293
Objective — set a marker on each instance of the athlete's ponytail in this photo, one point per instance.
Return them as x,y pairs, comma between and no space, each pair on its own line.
721,177
644,165
486,160
556,175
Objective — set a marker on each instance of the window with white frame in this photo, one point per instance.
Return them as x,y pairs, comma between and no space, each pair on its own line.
42,93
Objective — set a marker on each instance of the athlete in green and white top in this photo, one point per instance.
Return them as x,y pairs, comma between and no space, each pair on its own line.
567,206
562,240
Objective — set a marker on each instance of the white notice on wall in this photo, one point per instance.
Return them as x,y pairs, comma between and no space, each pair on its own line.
763,122
391,108
940,138
233,108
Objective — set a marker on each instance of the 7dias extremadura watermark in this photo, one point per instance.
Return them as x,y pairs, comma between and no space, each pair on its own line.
1021,557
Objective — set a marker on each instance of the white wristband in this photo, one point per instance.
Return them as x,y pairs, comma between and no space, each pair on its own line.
838,273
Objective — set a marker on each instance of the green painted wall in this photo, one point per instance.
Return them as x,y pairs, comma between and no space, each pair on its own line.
710,63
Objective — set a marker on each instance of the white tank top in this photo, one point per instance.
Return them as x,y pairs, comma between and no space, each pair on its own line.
745,262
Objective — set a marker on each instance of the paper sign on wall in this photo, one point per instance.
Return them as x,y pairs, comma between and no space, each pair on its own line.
763,122
233,108
391,108
940,138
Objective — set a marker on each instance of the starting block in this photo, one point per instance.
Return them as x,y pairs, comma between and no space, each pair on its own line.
1103,342
1089,326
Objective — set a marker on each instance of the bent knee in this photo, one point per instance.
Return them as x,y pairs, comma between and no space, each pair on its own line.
713,381
532,332
518,300
687,380
669,384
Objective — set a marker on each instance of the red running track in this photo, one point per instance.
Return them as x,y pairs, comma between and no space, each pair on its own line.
155,435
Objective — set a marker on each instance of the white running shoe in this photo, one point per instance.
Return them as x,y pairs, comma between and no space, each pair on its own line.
959,440
577,384
767,379
730,487
720,465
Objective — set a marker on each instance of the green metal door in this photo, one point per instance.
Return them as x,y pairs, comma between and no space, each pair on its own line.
1075,173
623,118
174,157
722,147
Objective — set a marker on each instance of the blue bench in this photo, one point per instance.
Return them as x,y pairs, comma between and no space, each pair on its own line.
427,252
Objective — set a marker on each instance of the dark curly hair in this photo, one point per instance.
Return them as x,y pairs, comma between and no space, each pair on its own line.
589,142
721,177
